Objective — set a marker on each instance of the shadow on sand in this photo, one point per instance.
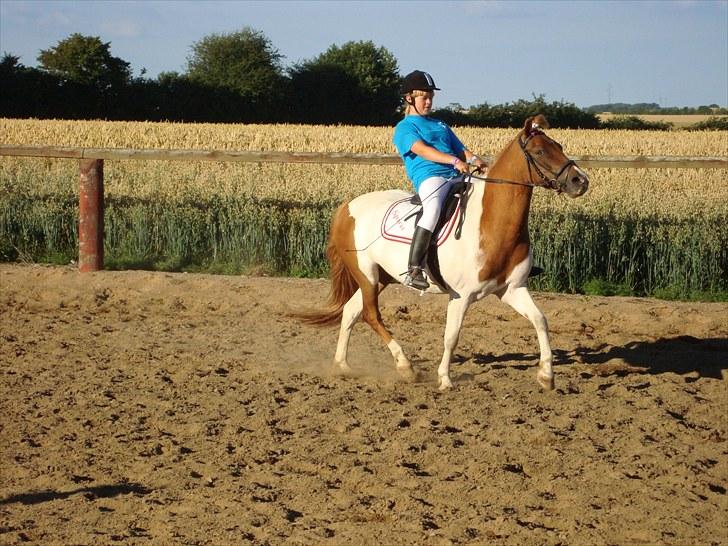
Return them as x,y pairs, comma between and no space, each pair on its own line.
100,491
681,355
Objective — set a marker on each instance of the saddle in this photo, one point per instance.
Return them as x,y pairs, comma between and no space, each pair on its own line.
399,220
456,199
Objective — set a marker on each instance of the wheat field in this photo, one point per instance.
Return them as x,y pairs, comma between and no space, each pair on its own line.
644,228
670,192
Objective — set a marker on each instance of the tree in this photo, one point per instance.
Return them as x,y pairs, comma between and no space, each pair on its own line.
29,92
560,114
323,94
356,83
85,60
244,62
10,63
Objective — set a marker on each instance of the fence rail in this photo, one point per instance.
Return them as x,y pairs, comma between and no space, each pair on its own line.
91,175
586,161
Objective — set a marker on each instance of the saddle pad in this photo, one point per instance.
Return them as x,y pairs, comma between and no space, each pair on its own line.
398,223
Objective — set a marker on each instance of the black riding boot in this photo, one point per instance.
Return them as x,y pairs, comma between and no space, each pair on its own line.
418,251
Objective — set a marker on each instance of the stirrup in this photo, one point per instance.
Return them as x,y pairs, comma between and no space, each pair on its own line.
416,279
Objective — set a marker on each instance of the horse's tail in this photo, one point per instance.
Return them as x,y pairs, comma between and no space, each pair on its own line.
343,283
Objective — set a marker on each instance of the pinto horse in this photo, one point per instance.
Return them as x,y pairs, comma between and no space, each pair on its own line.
492,255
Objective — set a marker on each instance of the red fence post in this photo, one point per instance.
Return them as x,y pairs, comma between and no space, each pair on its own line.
91,215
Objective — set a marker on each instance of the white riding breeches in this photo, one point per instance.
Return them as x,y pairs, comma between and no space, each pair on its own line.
432,192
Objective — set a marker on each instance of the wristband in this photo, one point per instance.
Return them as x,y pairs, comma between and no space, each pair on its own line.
455,162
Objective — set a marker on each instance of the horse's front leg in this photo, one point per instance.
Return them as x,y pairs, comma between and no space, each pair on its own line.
520,299
456,309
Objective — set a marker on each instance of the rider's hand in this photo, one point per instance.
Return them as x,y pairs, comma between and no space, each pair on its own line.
480,165
460,166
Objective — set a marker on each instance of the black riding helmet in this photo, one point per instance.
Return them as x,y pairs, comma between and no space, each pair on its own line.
418,81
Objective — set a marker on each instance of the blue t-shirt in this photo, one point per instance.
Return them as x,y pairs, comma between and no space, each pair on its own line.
432,132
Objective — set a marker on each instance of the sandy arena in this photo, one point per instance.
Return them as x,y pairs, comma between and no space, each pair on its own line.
155,408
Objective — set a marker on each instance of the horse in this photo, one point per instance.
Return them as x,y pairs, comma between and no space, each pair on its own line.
492,255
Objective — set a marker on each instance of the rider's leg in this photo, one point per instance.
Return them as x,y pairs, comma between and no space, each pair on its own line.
418,251
432,192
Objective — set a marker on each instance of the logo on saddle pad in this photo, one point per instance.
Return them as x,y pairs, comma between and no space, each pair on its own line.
398,224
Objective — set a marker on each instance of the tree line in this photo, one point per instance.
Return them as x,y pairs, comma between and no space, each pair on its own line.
239,77
236,77
654,108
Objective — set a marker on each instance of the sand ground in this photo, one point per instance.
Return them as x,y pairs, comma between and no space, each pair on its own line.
155,408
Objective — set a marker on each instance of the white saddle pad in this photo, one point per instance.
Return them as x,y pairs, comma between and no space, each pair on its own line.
398,223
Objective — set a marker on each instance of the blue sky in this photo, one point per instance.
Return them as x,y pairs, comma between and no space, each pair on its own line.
673,52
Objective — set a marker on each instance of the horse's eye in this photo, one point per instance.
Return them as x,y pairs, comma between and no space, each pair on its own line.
539,152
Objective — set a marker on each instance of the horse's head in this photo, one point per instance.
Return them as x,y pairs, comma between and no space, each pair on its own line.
547,164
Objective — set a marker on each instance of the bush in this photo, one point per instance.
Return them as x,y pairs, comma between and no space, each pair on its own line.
561,115
713,123
635,123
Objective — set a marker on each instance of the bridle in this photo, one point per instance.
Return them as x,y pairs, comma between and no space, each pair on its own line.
533,165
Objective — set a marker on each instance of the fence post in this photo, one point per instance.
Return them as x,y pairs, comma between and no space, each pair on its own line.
91,215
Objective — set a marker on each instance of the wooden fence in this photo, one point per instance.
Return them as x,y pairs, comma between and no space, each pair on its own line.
586,161
91,177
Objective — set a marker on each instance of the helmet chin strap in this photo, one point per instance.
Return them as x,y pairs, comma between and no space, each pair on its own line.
413,104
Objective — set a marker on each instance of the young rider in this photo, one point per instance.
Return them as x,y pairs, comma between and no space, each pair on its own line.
432,156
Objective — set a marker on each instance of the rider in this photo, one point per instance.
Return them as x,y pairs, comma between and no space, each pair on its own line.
432,156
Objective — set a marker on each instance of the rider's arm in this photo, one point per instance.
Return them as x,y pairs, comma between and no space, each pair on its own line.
436,156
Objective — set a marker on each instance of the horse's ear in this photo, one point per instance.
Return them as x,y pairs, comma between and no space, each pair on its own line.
528,125
535,123
541,121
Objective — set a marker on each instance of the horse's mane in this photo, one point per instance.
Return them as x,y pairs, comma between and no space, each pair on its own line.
503,151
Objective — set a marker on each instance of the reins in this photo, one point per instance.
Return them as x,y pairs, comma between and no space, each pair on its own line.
490,180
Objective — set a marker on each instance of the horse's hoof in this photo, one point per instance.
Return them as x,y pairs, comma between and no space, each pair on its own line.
546,381
445,383
407,374
343,368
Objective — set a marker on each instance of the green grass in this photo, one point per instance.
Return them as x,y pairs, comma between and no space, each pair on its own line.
601,287
600,255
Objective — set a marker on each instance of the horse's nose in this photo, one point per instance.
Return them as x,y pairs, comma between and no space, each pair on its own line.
579,183
580,180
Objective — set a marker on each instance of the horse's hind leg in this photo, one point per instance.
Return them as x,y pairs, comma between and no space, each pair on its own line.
520,299
372,316
350,314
